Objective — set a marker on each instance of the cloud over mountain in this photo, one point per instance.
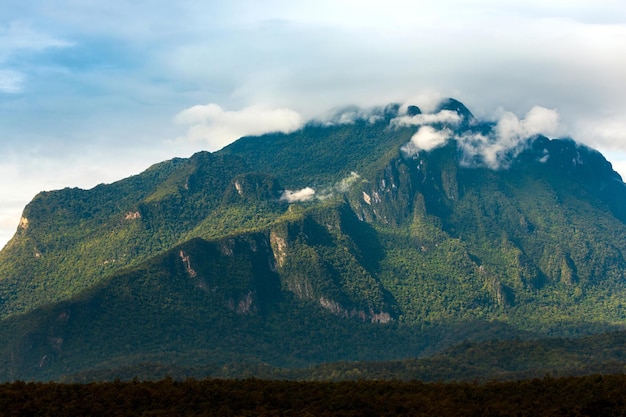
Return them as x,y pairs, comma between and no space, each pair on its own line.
304,194
217,127
444,116
508,138
427,138
494,148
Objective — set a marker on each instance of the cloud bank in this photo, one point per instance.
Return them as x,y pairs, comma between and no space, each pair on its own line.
216,127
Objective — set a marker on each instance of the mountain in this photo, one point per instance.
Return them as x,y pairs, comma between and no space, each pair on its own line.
371,236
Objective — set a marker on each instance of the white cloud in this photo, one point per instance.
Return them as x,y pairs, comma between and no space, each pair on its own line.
350,116
304,194
217,127
508,138
494,150
427,101
538,120
308,193
427,138
489,151
444,116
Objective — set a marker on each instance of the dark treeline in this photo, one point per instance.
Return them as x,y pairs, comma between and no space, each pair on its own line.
573,396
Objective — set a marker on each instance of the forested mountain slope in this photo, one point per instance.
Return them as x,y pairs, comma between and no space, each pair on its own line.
350,239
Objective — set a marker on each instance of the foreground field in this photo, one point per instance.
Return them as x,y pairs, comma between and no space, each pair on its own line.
598,395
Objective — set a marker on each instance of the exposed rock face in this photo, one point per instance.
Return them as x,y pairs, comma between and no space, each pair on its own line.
279,248
339,310
238,187
187,263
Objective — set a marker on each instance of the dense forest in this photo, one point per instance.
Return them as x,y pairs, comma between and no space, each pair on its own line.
597,395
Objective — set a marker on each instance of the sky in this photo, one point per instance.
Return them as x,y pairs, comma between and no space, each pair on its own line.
94,91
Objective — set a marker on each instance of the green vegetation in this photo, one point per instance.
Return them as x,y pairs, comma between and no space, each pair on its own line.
320,155
201,262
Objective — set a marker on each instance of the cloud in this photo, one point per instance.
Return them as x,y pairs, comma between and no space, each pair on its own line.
308,193
304,194
352,114
346,183
495,149
427,101
508,138
427,138
444,116
538,120
217,127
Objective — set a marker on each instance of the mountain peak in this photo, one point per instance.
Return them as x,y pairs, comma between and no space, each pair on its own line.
413,111
455,106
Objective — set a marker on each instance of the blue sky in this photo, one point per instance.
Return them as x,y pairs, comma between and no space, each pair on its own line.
94,91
